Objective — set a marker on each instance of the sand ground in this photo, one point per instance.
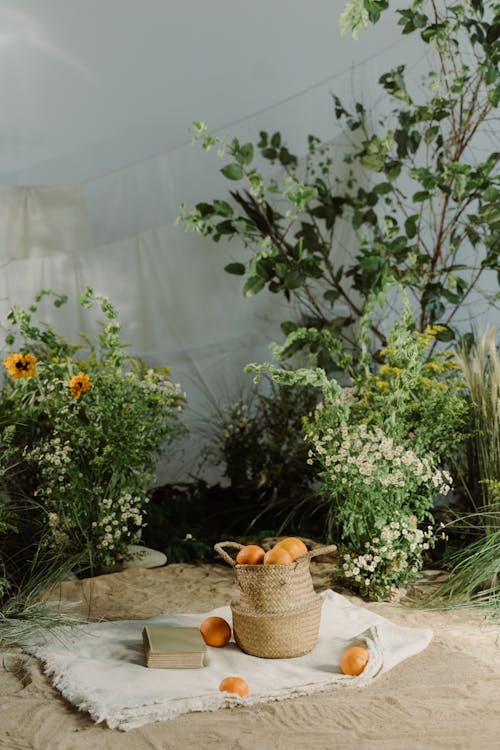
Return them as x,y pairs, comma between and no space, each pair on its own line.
446,697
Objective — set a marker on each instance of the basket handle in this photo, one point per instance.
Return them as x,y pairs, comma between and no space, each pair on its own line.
222,552
319,551
312,553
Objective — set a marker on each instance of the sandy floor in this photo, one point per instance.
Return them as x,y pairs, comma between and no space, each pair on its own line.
446,697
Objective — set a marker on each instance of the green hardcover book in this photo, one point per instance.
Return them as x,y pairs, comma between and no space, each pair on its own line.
173,648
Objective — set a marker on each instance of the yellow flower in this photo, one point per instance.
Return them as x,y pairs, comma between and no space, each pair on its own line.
424,339
382,384
388,370
434,330
20,365
426,381
79,384
433,367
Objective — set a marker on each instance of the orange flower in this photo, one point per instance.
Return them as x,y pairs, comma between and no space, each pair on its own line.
79,384
20,365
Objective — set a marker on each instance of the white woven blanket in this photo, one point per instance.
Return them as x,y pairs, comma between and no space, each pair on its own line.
99,668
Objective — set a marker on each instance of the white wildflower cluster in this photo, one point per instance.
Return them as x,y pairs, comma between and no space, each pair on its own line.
160,384
367,456
57,528
119,519
54,461
347,394
392,557
235,419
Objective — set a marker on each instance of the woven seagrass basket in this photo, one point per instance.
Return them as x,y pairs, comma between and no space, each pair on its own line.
277,613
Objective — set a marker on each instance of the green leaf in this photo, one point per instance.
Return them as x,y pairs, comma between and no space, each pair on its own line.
452,297
205,209
242,226
371,263
393,82
375,8
340,111
264,268
238,269
411,226
431,133
232,171
288,327
331,295
286,158
294,279
246,152
382,188
281,269
420,196
448,334
490,214
491,193
226,227
431,301
276,140
392,169
375,162
433,31
253,285
223,208
270,153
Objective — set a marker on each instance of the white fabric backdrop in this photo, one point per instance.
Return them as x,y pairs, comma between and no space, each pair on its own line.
116,233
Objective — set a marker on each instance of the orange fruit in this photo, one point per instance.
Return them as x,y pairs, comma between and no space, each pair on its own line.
294,546
215,631
252,554
234,685
354,660
277,556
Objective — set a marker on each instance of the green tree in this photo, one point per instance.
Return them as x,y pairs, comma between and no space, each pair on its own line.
426,211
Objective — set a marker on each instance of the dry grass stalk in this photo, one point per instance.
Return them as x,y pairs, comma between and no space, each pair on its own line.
481,370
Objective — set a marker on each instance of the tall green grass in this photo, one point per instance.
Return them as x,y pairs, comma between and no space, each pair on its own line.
28,569
475,569
481,371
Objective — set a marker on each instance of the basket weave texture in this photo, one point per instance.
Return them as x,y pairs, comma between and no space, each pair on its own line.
277,612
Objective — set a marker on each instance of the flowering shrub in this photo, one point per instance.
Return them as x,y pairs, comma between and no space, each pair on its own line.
374,476
382,443
391,558
88,433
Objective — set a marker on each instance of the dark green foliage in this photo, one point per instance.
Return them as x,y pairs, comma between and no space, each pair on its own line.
186,520
260,444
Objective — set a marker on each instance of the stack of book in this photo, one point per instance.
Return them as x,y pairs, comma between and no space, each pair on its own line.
173,648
